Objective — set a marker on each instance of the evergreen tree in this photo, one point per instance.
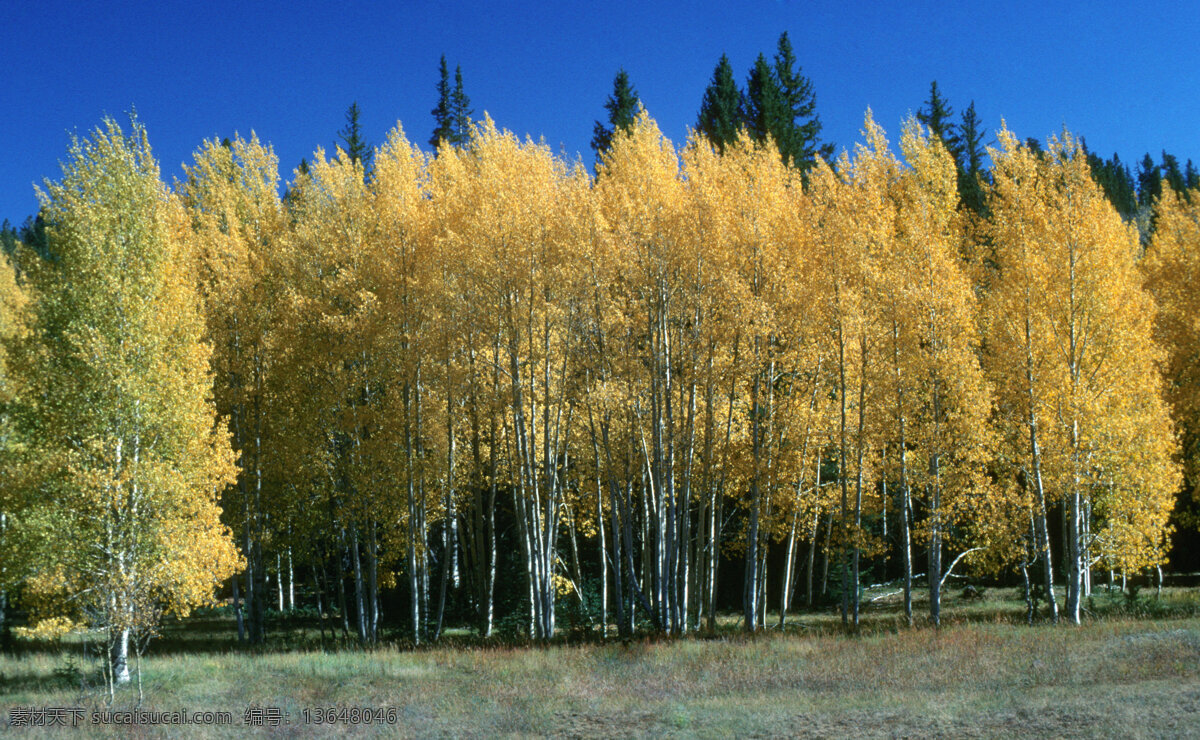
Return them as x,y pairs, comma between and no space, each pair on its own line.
764,108
1125,186
622,107
1115,180
936,116
800,131
1149,181
443,113
460,108
1171,172
1191,176
356,148
9,238
720,109
971,172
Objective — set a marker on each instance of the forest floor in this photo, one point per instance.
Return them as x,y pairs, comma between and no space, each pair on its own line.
1131,670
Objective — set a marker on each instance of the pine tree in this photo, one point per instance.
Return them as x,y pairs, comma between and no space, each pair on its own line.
622,107
971,172
801,130
936,115
356,146
461,112
764,109
443,112
1172,175
720,110
1149,182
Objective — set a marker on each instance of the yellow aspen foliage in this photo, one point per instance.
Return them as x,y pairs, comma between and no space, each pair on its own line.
14,306
1071,349
132,454
1172,268
238,226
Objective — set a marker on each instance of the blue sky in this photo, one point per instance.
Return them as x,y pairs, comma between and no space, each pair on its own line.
1124,75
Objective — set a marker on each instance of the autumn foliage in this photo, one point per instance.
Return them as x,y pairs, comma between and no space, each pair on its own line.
490,361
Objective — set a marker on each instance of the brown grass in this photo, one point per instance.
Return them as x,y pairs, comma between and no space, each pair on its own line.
1119,677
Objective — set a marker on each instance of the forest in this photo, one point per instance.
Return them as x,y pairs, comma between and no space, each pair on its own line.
489,387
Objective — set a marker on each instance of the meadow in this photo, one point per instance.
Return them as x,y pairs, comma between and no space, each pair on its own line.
1131,670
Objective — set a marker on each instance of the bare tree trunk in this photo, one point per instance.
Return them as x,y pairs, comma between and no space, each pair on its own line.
1043,535
858,485
237,609
373,585
843,524
341,583
359,595
814,533
291,600
119,657
750,582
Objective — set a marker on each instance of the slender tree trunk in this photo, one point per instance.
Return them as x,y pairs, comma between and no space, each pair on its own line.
373,584
844,523
119,657
359,595
341,583
237,610
291,590
858,485
827,550
750,582
1043,535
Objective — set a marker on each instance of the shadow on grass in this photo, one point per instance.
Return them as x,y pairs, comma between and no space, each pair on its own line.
213,631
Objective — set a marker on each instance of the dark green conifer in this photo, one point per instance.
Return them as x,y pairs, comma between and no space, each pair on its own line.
800,128
971,172
720,110
936,116
622,107
443,112
355,146
1149,181
460,108
763,108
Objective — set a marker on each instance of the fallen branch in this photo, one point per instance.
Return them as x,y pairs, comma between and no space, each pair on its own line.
951,568
884,596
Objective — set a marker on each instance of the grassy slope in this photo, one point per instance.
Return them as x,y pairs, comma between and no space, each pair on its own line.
1115,677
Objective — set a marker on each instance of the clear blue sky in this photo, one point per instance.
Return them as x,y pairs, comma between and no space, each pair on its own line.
1124,75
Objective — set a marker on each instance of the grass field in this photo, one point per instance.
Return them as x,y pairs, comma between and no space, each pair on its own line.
1133,670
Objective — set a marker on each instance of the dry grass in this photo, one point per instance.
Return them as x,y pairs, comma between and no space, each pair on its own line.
1117,677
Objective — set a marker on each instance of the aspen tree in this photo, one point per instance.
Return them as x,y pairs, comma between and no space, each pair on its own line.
642,199
132,454
338,369
948,424
402,228
1172,269
14,305
238,222
1068,298
516,235
856,219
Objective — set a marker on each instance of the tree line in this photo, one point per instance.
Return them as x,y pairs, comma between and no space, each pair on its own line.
488,386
